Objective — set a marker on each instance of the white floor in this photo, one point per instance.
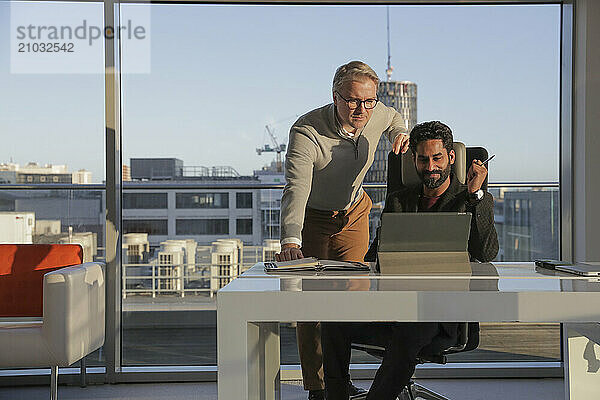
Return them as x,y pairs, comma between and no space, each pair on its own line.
456,389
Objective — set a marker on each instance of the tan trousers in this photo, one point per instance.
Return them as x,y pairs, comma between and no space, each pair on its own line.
332,235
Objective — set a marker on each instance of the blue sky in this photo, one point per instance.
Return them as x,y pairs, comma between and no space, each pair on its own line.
220,73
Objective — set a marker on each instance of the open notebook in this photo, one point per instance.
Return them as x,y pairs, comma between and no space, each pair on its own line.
315,265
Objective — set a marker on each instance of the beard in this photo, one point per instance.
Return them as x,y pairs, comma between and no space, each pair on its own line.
433,183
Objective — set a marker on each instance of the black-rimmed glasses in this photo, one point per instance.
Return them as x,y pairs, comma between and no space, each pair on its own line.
355,103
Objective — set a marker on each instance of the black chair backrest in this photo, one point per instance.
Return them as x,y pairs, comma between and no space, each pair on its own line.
481,154
394,172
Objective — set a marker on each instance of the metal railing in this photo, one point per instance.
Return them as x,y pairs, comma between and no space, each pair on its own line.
182,279
221,185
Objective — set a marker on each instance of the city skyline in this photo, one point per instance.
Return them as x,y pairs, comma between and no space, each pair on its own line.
487,74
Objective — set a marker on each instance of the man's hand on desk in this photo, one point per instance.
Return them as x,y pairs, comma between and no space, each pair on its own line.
289,251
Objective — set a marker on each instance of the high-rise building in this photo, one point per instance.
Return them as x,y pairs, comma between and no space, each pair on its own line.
403,97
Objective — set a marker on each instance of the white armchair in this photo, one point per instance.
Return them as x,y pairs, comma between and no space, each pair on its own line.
71,328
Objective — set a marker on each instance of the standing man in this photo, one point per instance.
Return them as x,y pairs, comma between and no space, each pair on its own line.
324,209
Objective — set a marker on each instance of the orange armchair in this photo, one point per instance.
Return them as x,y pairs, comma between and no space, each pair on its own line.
51,307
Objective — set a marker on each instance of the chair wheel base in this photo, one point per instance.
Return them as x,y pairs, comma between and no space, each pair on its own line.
418,392
413,392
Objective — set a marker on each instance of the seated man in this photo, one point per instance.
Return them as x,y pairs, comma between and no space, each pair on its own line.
431,144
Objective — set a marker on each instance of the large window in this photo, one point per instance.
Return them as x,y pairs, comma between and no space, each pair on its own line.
484,74
53,133
36,149
495,87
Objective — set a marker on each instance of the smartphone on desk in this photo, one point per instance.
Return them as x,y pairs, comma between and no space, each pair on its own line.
549,263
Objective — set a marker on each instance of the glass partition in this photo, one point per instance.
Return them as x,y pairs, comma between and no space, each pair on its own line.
52,124
213,121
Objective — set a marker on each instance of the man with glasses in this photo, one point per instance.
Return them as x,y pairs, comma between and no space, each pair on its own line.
324,209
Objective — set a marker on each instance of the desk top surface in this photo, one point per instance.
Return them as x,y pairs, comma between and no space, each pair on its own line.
486,277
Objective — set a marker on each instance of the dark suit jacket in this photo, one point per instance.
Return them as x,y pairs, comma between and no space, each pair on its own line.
483,239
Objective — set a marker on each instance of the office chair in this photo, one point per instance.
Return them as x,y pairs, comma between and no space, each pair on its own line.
401,172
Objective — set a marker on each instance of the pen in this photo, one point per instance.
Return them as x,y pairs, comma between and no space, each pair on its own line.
489,159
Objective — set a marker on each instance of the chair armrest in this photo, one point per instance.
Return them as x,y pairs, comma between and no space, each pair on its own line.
74,307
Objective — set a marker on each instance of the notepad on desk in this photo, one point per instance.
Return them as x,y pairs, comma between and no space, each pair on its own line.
313,264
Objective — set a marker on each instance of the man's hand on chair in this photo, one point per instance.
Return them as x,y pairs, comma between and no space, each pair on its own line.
289,251
401,143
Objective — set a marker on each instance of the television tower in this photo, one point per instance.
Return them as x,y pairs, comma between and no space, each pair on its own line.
402,96
389,69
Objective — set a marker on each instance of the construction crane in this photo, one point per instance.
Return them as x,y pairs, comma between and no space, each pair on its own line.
277,148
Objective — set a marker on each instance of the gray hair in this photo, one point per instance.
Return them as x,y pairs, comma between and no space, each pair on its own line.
353,71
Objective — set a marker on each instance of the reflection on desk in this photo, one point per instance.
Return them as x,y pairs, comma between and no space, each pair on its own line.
497,277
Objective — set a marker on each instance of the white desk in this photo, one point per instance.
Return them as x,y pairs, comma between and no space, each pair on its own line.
250,308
